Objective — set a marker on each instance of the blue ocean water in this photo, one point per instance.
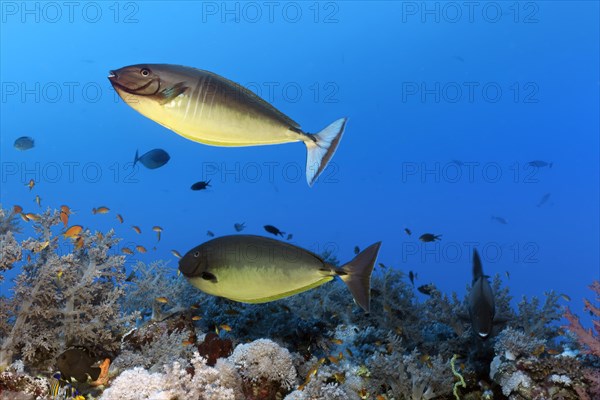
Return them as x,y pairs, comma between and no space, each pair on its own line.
447,105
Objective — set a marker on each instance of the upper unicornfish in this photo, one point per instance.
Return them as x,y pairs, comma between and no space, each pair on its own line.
207,108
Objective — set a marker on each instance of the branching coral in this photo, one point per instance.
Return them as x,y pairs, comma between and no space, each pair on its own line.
538,320
10,251
64,300
179,381
586,337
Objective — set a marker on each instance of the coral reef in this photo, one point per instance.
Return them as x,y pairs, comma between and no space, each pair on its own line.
64,300
167,340
10,251
267,369
587,338
213,348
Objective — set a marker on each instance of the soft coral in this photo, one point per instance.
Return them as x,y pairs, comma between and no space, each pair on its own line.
587,337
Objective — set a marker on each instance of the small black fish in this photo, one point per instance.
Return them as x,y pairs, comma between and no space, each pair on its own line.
427,289
153,159
539,164
429,237
239,226
289,236
499,220
202,185
408,231
412,276
24,143
273,230
382,266
356,249
544,199
131,277
210,234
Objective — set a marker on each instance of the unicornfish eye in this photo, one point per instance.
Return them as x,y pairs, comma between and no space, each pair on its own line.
145,72
197,254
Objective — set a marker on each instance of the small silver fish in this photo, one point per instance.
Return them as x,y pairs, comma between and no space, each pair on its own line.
539,164
499,220
544,200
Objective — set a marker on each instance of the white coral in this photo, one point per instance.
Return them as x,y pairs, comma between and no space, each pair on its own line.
134,384
175,383
264,358
511,384
204,385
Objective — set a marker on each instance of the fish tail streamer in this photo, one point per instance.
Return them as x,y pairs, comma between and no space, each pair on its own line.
321,147
357,275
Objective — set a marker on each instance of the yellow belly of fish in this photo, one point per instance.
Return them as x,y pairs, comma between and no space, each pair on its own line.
214,124
248,287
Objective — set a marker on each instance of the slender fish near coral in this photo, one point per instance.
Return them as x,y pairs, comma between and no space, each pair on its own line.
481,302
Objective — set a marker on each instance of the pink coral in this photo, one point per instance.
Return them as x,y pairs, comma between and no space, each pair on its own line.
587,337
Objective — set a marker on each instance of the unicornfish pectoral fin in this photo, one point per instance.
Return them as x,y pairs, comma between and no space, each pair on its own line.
357,275
321,147
172,92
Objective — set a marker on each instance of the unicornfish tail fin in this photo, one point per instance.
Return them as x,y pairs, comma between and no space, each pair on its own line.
320,148
357,275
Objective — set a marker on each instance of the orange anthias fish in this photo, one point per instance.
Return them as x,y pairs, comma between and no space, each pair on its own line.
162,300
73,232
17,209
100,210
38,200
140,248
120,218
126,250
136,229
64,218
31,184
33,217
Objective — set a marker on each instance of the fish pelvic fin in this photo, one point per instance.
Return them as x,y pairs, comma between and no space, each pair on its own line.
477,268
357,275
320,148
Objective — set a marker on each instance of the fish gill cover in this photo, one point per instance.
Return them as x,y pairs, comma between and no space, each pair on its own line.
441,129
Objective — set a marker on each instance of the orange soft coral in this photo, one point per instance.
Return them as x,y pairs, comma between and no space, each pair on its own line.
587,337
